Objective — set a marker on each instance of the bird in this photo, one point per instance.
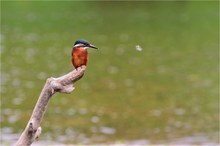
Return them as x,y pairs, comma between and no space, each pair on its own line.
80,53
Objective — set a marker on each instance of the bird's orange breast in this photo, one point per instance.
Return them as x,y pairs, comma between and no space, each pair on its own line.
79,57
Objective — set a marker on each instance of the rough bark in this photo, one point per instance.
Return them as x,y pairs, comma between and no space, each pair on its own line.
63,84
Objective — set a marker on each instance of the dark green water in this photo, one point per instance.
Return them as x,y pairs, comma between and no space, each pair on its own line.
164,91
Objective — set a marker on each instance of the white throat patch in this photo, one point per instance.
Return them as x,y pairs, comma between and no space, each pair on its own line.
81,46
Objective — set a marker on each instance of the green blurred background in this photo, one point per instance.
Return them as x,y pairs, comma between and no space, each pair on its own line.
166,92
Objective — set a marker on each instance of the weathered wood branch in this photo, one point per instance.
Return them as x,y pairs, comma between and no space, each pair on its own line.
63,84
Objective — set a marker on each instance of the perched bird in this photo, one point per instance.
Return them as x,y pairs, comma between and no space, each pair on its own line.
79,52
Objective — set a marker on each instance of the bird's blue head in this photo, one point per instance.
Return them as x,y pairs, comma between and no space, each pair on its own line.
84,43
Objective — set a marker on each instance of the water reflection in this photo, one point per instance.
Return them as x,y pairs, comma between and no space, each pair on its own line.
120,50
29,84
180,111
18,100
107,130
95,119
9,138
42,75
124,37
156,113
129,82
71,111
83,111
112,69
12,116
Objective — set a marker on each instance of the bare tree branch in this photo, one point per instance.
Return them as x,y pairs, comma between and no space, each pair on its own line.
63,84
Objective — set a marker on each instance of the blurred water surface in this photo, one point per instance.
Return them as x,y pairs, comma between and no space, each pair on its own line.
153,80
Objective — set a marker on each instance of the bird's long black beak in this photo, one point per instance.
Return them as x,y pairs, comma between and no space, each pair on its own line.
92,46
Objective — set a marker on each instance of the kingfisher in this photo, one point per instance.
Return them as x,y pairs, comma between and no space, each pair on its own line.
80,53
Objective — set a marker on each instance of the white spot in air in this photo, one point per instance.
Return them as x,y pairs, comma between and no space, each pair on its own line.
138,48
